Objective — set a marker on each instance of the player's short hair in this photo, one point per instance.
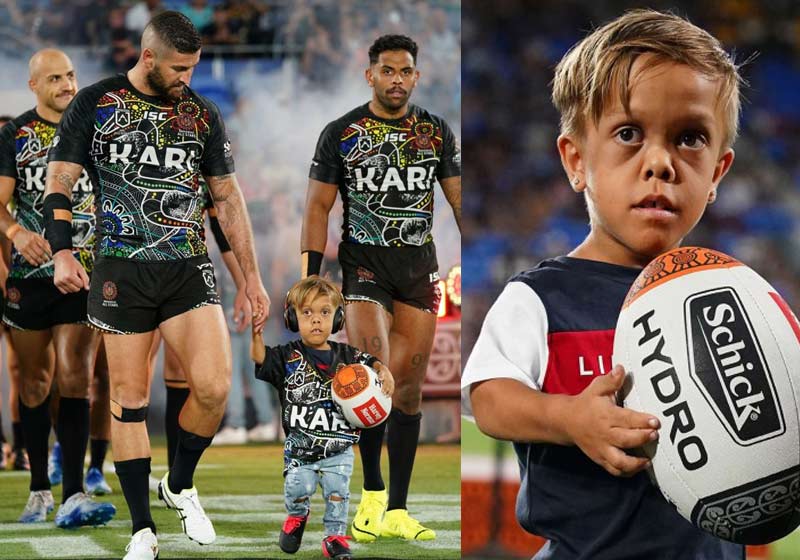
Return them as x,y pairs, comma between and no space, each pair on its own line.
392,43
176,31
599,66
312,287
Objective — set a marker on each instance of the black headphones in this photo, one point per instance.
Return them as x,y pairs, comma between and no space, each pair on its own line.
290,317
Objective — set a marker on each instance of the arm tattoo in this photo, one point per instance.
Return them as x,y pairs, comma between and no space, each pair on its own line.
234,220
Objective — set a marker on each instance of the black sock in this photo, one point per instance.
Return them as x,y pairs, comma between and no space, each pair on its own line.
402,446
99,448
73,435
133,478
176,398
36,427
190,448
19,434
369,445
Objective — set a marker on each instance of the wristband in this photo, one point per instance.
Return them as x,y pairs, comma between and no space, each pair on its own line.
312,263
13,230
58,221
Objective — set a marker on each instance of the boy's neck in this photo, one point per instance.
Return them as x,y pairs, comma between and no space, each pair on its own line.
610,251
323,346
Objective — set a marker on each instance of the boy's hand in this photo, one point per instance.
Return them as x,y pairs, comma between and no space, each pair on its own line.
386,378
604,430
257,351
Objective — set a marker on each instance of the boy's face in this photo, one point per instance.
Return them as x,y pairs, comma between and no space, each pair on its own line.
315,319
648,175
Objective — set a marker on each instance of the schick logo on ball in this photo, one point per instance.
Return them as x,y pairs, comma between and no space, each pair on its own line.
728,366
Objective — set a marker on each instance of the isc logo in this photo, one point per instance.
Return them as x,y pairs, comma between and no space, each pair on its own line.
727,365
155,115
395,137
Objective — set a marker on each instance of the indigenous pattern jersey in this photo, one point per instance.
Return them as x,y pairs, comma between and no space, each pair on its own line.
314,426
146,155
552,329
24,144
386,171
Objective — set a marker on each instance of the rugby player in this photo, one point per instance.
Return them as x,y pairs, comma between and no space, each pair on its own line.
385,158
147,139
37,312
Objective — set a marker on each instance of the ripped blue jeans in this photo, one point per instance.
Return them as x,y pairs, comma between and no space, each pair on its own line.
333,474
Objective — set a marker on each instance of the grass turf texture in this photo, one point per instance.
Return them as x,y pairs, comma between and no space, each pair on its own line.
241,489
474,443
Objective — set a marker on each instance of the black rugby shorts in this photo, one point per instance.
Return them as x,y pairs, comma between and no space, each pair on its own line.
35,304
383,275
128,296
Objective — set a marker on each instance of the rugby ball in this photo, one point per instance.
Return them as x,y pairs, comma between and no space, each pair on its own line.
358,392
713,351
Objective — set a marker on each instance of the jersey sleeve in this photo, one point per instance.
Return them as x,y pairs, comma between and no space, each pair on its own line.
450,159
327,163
73,139
8,151
272,370
217,154
512,343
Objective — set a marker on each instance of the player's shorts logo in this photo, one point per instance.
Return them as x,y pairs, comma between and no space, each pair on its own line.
14,296
207,270
109,290
365,275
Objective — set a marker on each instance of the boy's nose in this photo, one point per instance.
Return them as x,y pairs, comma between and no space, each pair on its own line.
658,164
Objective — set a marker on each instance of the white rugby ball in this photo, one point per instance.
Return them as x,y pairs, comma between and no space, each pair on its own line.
713,351
359,393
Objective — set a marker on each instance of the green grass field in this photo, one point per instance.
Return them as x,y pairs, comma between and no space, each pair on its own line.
241,489
476,445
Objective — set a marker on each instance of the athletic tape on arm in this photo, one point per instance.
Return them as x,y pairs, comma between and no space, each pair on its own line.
58,221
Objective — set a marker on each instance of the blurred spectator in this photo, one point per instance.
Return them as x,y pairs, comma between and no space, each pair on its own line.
139,15
199,13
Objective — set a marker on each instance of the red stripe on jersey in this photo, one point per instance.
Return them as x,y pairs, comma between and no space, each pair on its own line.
575,359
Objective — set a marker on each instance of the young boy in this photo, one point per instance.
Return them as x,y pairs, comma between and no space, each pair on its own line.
649,109
319,440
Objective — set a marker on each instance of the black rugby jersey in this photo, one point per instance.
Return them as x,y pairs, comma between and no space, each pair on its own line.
552,328
146,155
386,170
314,427
24,144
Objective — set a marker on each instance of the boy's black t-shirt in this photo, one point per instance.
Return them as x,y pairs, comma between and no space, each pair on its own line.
314,427
566,310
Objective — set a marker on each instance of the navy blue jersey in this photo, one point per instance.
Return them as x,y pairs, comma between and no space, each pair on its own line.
552,329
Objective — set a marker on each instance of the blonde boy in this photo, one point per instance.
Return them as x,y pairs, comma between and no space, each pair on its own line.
649,109
318,438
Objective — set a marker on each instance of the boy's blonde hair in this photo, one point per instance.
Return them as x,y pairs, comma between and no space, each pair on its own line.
599,66
312,287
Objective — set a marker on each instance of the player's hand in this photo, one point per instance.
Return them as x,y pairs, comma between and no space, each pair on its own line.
257,351
242,311
259,302
68,276
32,246
604,430
386,378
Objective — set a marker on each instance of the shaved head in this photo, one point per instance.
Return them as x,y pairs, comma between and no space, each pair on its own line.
45,61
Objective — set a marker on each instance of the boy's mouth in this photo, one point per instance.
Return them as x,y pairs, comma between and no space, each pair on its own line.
656,203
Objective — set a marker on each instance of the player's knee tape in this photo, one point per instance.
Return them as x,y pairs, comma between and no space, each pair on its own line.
404,419
128,415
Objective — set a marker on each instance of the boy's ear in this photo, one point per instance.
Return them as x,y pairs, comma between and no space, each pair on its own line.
571,160
722,167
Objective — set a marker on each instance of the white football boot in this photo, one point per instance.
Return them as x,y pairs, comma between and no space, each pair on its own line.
143,546
196,524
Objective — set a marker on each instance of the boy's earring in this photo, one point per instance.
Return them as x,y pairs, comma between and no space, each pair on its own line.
712,196
576,181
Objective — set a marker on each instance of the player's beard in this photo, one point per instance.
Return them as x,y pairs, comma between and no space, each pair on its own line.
393,104
156,82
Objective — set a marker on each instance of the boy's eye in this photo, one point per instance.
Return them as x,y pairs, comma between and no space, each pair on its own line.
629,135
326,311
692,140
306,312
